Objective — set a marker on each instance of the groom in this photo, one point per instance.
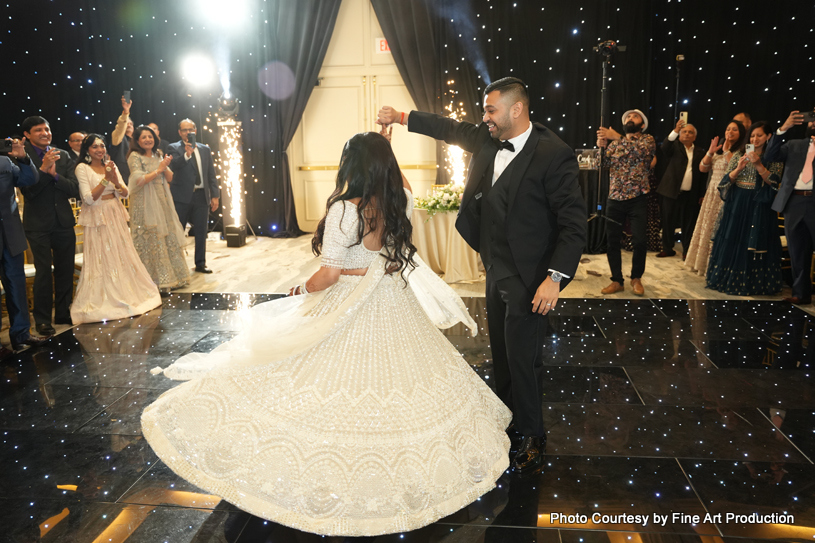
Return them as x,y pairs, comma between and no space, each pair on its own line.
522,209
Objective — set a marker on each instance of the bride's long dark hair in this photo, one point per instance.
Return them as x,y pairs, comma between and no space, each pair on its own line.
369,171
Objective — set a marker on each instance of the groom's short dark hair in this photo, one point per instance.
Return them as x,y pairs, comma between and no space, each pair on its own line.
512,86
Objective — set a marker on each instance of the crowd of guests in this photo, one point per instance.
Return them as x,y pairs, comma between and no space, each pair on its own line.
725,199
129,259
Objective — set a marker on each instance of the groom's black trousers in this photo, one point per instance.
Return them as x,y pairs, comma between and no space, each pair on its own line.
516,340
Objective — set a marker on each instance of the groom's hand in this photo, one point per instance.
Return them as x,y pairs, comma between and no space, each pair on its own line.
387,115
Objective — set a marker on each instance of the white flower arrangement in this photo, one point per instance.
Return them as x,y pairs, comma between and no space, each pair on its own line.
444,198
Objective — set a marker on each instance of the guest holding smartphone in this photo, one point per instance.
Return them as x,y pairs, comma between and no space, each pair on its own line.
114,283
746,255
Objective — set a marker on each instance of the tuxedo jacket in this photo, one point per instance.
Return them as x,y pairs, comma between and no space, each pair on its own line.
13,174
674,152
183,183
47,204
792,154
546,217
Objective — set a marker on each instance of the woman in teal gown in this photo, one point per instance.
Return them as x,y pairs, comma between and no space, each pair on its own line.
746,255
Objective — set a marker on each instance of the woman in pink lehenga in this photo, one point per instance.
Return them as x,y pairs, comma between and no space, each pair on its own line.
706,225
114,284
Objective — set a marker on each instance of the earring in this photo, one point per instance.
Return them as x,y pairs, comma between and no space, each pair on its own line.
88,159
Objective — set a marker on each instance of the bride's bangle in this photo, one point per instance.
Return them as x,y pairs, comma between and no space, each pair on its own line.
303,289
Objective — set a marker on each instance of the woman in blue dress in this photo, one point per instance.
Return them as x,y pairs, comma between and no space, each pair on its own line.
746,256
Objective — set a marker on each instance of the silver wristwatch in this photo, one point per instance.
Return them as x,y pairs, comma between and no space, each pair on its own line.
556,276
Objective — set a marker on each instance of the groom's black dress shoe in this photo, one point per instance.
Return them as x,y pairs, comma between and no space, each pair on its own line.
203,269
529,457
46,329
31,341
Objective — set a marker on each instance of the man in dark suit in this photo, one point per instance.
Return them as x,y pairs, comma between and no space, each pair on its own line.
49,225
795,200
194,187
682,187
19,172
74,144
522,209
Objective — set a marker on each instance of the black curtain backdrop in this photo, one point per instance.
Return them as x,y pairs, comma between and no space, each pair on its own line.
739,56
70,61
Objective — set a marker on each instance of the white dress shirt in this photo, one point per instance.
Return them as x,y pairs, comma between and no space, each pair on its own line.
504,156
687,180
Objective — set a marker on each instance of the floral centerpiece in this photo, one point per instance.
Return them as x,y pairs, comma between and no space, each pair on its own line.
444,198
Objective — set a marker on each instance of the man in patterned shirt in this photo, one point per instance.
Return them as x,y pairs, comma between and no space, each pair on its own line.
629,160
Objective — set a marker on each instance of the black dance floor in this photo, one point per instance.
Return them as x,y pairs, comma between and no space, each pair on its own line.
671,411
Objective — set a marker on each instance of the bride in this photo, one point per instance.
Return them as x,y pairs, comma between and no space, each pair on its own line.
342,410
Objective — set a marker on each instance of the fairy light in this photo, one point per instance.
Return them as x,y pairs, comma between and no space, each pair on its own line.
454,159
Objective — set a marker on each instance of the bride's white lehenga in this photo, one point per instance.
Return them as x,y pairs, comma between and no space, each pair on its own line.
344,412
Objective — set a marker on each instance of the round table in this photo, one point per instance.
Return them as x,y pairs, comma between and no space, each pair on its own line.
439,244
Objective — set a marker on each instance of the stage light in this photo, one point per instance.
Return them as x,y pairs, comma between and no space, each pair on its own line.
223,15
198,70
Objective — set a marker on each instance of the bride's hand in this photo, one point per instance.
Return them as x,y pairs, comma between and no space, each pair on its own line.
387,130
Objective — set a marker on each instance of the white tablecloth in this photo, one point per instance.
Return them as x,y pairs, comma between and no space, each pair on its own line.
444,250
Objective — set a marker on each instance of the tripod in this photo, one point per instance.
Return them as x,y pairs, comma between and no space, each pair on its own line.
606,49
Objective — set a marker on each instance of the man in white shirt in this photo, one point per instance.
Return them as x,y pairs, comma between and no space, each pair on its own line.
681,188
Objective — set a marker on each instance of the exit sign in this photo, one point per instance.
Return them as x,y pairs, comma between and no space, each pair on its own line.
382,46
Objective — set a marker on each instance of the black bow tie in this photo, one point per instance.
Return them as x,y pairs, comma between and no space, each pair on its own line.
508,146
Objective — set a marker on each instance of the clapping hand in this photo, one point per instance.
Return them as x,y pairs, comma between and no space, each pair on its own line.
165,162
714,146
49,162
110,173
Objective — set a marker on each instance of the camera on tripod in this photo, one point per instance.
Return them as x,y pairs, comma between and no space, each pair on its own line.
608,48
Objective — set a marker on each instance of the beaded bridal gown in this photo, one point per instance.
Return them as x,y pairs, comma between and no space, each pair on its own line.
342,412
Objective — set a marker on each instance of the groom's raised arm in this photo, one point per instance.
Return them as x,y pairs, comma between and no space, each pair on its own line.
465,135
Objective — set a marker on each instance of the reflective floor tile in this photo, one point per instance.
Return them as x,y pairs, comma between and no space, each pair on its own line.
764,488
55,407
119,370
215,301
83,521
205,320
607,308
798,425
573,326
587,385
663,431
624,492
724,387
750,354
124,415
160,486
623,352
42,464
679,328
726,308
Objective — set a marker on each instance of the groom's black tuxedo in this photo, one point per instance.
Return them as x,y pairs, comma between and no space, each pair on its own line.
532,220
